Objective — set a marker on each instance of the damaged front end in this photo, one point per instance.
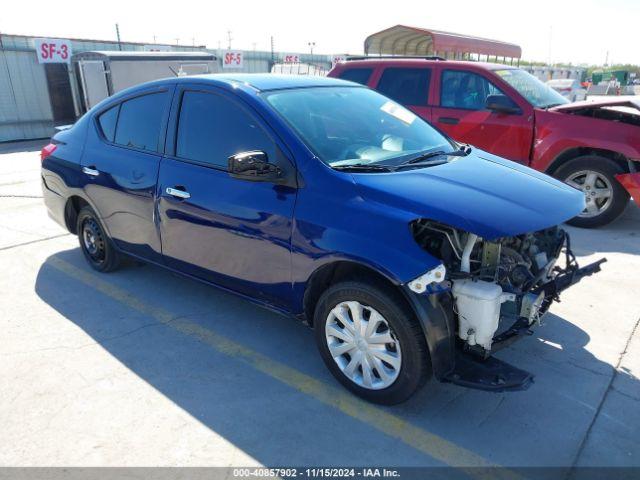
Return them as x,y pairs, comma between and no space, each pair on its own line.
497,290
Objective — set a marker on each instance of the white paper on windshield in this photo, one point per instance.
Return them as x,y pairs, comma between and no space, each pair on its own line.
398,112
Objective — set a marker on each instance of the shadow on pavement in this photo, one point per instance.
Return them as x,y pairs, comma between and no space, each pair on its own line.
278,425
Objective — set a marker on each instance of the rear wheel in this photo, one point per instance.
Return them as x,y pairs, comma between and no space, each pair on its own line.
605,198
371,342
94,242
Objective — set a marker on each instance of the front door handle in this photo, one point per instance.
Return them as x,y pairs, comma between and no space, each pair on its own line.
175,192
449,120
91,171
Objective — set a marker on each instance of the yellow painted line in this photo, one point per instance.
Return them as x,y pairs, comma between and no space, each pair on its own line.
388,423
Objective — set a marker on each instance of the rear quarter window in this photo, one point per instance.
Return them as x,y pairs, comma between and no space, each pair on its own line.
407,86
107,122
358,75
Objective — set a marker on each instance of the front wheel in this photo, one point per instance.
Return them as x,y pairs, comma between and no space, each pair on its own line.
595,176
371,342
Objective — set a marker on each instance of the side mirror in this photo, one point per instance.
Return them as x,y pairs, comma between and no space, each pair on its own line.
254,166
501,104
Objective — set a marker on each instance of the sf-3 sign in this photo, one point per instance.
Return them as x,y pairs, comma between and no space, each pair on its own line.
53,50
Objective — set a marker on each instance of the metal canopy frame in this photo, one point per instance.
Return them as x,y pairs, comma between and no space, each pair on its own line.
402,40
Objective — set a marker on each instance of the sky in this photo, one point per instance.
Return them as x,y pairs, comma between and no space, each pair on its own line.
558,31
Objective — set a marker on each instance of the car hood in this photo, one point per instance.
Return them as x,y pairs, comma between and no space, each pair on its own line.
633,102
480,193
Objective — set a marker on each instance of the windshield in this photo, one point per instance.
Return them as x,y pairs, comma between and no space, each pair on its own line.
355,126
537,93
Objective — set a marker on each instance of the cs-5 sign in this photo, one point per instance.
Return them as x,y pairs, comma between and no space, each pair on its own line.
291,58
53,50
233,59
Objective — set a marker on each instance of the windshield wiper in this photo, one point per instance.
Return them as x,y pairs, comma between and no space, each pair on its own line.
420,158
363,167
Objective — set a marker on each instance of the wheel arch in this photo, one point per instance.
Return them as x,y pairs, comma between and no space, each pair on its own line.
74,204
338,271
576,152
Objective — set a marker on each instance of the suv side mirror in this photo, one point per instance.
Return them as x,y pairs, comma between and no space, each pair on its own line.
255,167
501,104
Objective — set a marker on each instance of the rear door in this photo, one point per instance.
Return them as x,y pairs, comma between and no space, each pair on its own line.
409,86
232,232
462,114
120,165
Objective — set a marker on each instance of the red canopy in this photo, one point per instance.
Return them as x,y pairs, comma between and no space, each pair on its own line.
403,40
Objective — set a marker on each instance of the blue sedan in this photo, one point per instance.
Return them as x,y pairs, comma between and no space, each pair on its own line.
410,255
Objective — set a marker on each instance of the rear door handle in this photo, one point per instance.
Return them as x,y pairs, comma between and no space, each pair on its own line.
449,120
91,171
174,192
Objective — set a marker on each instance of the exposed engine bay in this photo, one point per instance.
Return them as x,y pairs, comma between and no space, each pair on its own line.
500,288
622,114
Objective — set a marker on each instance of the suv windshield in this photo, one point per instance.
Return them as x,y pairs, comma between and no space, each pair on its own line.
537,93
356,126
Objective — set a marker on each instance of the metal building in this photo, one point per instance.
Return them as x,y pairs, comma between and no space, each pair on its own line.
35,96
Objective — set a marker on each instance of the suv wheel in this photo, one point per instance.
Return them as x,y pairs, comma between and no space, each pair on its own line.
605,198
94,242
371,342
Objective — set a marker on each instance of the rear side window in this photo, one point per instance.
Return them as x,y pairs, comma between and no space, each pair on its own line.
140,120
211,128
358,75
466,90
407,86
107,122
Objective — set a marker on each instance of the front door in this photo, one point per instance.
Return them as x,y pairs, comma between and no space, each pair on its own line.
462,115
235,233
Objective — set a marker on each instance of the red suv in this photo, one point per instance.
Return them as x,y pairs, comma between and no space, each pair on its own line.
592,146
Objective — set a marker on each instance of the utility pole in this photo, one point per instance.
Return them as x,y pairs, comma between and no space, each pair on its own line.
606,59
550,35
311,45
177,40
118,36
273,53
229,39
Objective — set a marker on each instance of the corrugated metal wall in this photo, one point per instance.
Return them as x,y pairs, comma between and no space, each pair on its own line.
25,110
25,107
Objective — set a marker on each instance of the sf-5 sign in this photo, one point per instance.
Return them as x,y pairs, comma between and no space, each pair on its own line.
53,50
233,59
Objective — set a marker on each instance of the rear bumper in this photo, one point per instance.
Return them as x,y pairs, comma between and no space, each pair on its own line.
55,204
631,182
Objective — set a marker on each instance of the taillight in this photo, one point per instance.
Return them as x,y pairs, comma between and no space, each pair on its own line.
48,150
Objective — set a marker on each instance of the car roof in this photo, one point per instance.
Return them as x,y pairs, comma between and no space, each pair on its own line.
268,81
421,61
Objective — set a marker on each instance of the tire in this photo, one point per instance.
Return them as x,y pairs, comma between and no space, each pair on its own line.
95,244
387,385
575,172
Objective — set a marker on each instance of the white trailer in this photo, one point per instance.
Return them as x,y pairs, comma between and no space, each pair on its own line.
101,74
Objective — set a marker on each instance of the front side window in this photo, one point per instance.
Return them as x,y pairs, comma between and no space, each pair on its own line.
140,120
466,90
354,125
211,128
358,75
533,90
407,86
